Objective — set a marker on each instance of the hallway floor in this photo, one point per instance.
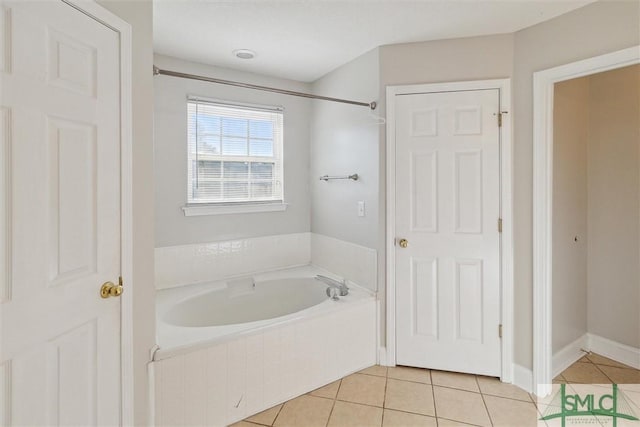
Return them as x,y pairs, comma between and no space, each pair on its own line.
596,369
401,396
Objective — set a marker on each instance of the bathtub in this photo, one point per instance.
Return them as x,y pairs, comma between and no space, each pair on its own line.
230,349
247,301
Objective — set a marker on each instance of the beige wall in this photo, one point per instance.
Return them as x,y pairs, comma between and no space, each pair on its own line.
140,15
171,226
472,58
614,206
344,140
601,27
569,272
596,29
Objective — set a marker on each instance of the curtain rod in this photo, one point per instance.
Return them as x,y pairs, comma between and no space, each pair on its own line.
158,71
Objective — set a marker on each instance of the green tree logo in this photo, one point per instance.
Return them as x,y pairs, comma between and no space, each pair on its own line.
614,405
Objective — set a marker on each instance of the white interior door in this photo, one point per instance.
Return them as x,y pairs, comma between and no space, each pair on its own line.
60,147
447,209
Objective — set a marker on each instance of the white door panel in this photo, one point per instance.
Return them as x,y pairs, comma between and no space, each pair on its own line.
447,207
60,135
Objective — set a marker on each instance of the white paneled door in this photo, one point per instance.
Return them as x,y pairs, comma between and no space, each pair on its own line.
60,153
448,243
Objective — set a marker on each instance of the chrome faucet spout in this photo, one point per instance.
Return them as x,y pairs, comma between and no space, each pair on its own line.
342,287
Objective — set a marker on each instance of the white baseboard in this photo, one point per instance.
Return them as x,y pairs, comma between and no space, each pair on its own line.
614,350
569,354
523,377
382,356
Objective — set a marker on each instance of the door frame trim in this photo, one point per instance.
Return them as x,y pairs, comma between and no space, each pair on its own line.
92,9
543,88
506,210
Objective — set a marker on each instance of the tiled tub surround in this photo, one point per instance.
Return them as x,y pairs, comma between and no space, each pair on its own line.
357,263
186,264
204,262
217,375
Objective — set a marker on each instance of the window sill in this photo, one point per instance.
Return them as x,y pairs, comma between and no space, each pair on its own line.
195,210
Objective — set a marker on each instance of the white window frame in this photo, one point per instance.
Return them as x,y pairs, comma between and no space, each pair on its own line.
232,207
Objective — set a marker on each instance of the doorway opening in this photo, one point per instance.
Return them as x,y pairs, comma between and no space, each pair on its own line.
572,222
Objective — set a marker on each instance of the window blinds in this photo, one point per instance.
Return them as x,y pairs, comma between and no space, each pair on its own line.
234,153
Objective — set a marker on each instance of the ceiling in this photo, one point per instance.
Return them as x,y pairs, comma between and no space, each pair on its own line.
305,39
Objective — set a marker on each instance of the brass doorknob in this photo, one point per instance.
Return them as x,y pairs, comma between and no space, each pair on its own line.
403,243
110,289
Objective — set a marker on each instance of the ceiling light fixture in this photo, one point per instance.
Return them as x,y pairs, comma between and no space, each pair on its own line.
244,53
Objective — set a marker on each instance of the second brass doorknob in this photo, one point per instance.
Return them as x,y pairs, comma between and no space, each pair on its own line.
110,289
403,243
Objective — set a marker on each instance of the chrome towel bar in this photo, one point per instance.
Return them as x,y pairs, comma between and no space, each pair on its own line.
327,177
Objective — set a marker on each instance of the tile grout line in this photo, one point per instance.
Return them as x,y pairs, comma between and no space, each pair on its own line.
606,376
599,365
335,399
530,396
486,408
604,373
390,409
409,381
371,375
433,395
624,366
629,368
278,414
365,404
589,361
479,392
360,403
459,422
384,398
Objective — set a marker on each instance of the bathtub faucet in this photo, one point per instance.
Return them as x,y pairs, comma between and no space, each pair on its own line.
340,286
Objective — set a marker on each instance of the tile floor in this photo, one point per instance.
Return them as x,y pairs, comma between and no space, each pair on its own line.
596,369
407,397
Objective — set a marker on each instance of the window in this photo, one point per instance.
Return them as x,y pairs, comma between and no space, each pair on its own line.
234,153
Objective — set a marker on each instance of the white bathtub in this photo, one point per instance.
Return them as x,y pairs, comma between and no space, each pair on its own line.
195,316
245,301
229,349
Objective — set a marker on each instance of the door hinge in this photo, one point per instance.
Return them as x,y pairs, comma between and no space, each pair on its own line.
500,331
499,225
500,113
